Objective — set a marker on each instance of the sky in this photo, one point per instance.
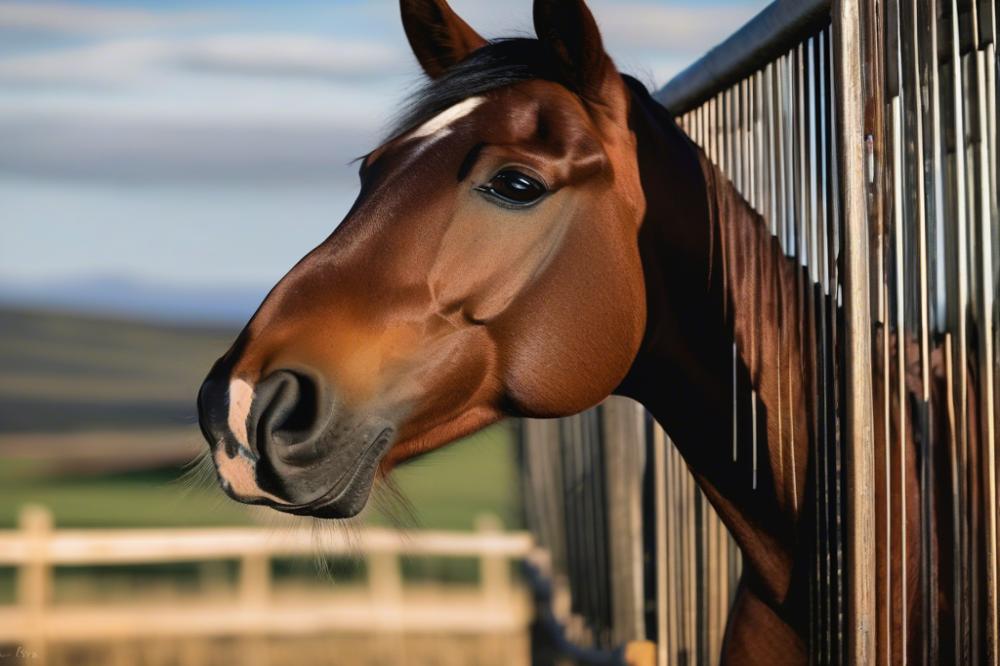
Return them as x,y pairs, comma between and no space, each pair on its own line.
209,142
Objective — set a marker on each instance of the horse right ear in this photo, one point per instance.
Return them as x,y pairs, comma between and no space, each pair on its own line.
438,36
570,32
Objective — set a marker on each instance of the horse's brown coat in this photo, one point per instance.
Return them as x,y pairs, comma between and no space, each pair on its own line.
438,312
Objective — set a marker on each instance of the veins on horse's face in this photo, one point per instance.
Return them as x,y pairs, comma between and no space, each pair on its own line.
489,267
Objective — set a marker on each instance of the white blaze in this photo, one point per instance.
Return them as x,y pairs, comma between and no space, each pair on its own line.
440,122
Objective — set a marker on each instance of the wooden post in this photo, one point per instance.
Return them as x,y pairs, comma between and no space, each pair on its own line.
385,579
495,585
494,569
859,435
385,584
255,580
624,460
254,593
34,580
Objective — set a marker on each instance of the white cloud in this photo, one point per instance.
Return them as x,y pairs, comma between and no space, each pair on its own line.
182,108
105,63
670,28
123,61
289,55
145,151
74,19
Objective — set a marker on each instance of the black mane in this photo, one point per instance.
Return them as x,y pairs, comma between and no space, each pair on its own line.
500,63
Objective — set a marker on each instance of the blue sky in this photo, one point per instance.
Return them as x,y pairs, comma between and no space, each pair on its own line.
200,142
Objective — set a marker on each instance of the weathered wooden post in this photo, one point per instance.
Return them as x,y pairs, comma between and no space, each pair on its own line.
34,577
859,424
254,593
495,586
494,569
385,585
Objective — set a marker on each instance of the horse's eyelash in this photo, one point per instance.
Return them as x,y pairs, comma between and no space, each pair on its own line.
486,191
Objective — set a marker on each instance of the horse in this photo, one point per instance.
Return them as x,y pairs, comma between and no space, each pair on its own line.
536,234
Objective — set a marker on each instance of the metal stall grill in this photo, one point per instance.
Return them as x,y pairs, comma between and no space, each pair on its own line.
767,120
864,134
931,129
630,544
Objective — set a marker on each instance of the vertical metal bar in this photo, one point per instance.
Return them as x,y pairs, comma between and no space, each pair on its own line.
960,308
833,253
664,556
917,70
957,572
691,563
673,549
746,153
895,91
728,130
791,166
985,340
901,404
858,327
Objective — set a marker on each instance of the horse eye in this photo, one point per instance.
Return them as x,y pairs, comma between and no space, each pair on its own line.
514,188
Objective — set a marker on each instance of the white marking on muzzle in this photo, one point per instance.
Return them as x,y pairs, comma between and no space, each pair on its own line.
240,473
440,124
240,399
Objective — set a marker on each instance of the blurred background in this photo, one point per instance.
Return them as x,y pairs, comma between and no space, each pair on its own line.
162,164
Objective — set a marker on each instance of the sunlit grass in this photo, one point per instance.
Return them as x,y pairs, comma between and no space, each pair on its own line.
447,489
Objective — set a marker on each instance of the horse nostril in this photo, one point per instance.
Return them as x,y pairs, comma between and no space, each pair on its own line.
289,411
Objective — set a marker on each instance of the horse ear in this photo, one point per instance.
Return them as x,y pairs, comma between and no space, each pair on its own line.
568,28
438,36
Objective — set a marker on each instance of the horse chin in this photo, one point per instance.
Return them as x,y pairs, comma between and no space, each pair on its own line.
347,496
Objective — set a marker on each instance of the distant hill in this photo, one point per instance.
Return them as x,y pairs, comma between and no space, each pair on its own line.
68,372
137,299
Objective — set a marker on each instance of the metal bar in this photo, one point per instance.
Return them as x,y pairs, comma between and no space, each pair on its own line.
665,557
773,31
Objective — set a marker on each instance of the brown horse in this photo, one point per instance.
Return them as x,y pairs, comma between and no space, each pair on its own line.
536,235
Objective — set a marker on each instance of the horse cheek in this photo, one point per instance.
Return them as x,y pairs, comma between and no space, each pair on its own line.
569,340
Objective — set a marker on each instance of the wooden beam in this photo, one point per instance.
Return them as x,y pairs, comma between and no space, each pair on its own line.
859,435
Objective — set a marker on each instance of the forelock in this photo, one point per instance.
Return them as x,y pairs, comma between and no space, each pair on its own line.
500,63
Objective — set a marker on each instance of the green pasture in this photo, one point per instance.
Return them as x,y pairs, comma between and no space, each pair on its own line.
445,489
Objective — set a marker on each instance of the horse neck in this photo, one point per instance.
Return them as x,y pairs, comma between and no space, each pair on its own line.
715,276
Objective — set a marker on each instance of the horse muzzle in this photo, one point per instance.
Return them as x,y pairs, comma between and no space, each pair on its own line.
288,443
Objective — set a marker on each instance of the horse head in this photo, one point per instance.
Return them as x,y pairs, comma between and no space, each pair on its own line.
489,267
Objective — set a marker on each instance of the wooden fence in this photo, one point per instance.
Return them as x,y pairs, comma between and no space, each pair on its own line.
385,606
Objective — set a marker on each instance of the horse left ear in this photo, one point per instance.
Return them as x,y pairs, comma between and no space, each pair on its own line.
568,28
438,36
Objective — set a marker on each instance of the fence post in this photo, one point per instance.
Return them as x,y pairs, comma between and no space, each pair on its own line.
495,585
254,592
385,579
859,433
255,579
385,584
34,577
494,570
624,459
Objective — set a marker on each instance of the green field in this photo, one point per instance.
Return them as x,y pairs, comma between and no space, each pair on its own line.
445,489
97,417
